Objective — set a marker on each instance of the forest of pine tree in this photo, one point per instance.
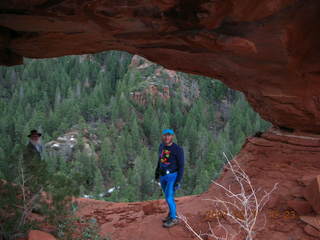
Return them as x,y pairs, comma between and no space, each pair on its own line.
53,95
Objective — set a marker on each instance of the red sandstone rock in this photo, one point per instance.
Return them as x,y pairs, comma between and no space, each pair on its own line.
150,208
312,220
268,49
312,194
312,231
307,179
225,233
39,235
300,206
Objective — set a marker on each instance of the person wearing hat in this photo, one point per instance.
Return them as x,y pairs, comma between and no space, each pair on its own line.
169,171
35,168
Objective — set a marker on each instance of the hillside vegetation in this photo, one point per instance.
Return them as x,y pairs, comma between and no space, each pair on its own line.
117,104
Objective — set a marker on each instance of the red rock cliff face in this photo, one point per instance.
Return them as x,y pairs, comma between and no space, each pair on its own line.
269,49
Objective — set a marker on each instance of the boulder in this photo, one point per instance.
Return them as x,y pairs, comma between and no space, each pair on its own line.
312,194
312,231
307,179
312,220
39,235
64,146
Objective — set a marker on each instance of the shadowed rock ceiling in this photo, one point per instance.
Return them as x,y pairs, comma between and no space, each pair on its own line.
268,49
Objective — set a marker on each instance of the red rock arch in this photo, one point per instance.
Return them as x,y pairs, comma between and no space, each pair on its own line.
268,49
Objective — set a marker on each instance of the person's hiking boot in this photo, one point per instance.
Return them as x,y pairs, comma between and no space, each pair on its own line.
171,222
166,218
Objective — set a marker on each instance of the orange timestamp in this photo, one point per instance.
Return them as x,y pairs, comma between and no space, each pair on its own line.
274,214
214,214
286,214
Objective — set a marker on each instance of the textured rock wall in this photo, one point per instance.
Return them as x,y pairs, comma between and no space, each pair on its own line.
269,49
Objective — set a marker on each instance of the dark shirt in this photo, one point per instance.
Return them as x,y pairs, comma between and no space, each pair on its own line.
35,168
170,158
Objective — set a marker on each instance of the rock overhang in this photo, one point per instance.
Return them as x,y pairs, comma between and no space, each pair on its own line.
267,49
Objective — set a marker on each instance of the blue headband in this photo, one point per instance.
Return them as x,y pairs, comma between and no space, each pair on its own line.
165,131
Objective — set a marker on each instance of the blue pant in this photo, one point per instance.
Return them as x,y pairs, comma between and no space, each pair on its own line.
167,185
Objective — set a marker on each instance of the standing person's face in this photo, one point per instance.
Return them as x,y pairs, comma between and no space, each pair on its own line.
35,138
167,138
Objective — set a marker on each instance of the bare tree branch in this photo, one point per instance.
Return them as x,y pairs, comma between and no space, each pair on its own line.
246,203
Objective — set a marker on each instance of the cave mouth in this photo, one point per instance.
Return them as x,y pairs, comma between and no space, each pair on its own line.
101,116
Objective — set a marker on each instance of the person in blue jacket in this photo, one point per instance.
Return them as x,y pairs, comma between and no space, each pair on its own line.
170,172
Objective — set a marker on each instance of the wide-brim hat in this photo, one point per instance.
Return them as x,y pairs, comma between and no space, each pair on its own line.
34,132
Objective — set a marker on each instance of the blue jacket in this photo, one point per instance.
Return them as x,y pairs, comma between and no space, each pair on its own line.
170,158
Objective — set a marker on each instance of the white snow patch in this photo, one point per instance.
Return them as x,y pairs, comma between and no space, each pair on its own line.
87,196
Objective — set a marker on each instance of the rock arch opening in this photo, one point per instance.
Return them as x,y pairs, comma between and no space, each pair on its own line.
104,115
